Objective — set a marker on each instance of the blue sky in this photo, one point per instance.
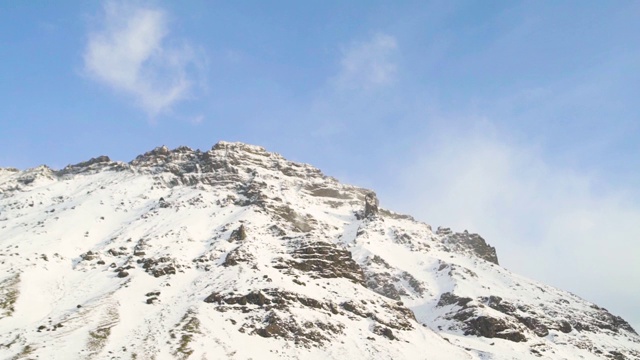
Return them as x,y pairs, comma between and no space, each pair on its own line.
516,120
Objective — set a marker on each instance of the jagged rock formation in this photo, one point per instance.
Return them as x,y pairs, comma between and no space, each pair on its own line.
238,234
468,243
194,254
370,205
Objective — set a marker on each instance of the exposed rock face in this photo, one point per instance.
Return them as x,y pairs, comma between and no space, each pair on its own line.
324,260
489,327
388,281
451,299
370,205
238,234
28,177
271,303
100,163
471,243
238,255
236,245
493,317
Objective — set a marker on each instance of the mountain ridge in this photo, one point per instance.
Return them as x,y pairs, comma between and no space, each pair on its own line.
265,252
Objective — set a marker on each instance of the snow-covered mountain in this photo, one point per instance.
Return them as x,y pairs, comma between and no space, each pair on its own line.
237,253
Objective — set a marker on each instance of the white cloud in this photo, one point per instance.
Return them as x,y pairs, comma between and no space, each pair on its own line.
369,64
550,223
130,53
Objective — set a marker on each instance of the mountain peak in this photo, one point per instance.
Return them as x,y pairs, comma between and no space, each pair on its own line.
190,254
238,146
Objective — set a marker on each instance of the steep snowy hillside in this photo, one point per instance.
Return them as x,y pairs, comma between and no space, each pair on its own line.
238,253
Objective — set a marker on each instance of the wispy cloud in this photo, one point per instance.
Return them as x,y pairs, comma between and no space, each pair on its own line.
131,51
369,64
549,222
197,120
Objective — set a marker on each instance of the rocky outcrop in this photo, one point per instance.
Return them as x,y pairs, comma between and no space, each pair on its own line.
29,176
225,163
370,205
452,299
237,256
296,221
273,306
390,282
490,327
325,260
238,234
255,298
158,267
493,317
473,244
93,165
271,315
321,190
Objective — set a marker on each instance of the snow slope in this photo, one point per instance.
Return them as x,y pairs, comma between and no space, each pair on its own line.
238,253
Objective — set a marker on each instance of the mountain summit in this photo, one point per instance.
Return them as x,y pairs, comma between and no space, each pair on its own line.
237,253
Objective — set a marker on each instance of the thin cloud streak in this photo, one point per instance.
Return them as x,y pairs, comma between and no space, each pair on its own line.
370,64
131,54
